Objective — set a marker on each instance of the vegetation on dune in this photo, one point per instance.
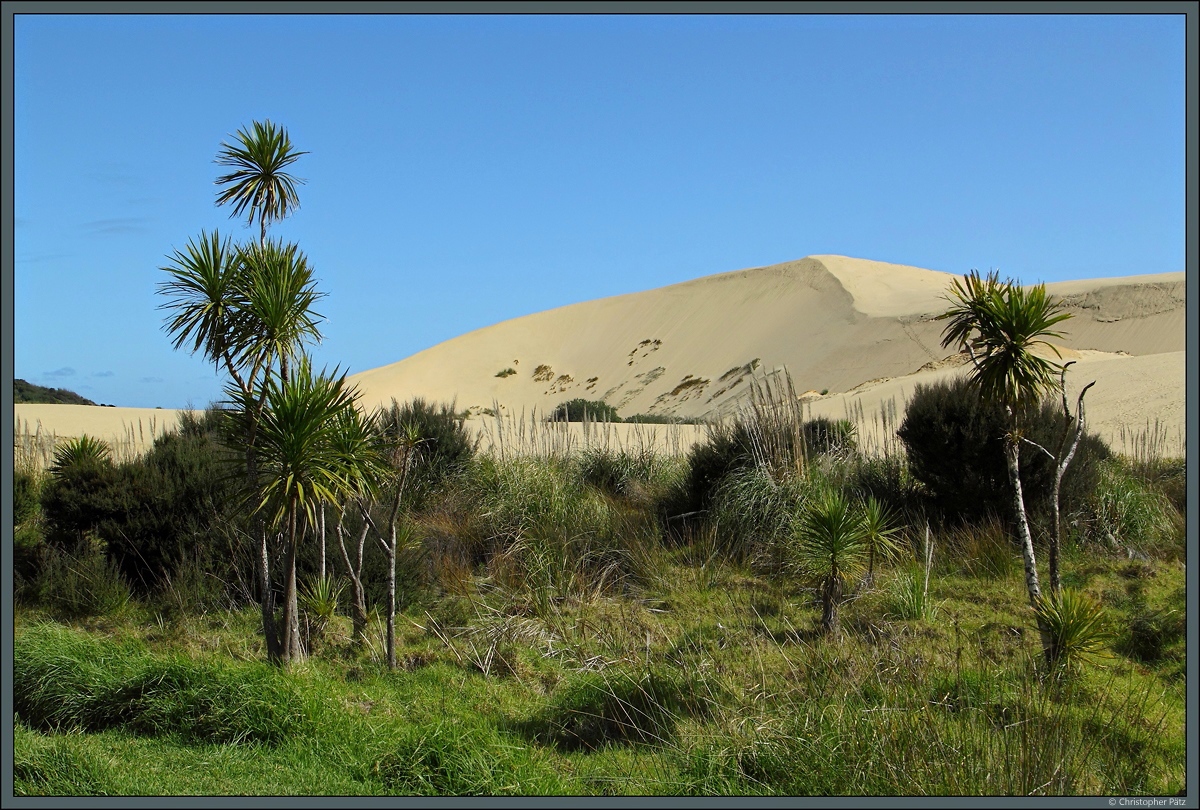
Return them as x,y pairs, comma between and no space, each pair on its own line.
774,612
27,392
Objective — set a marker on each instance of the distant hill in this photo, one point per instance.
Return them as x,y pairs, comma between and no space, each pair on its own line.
27,392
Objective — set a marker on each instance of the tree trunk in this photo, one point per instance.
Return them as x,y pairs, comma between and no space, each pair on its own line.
830,596
1012,451
391,618
322,530
270,636
292,650
358,598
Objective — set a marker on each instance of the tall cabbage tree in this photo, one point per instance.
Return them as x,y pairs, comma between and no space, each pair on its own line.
1000,323
248,309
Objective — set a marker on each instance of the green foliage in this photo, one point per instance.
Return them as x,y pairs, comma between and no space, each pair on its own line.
65,680
464,760
507,372
258,182
624,473
1077,627
37,394
80,585
1126,512
26,494
831,550
82,451
660,419
954,441
444,444
908,597
1002,322
580,410
620,705
824,436
753,516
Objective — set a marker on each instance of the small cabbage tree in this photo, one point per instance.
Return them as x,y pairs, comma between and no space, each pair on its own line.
831,550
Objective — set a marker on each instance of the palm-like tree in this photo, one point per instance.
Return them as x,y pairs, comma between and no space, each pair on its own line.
300,463
831,550
274,316
259,183
879,532
999,324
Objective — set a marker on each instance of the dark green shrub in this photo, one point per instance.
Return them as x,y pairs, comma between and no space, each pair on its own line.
955,447
77,498
27,490
578,410
445,445
824,436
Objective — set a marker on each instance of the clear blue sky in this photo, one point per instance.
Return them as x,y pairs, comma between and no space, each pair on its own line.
465,170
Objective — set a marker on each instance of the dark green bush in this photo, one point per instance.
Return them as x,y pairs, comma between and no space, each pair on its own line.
27,490
80,585
824,436
955,446
577,410
445,445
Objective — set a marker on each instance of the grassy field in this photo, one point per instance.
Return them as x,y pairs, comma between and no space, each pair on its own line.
561,634
712,682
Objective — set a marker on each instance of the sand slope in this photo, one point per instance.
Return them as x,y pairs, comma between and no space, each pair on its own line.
835,323
863,332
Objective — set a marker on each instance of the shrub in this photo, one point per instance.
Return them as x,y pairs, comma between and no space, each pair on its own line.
579,410
955,447
1077,628
445,446
825,436
80,585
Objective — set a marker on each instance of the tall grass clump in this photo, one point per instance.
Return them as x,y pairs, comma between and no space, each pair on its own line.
79,585
1130,515
64,680
622,705
540,532
454,759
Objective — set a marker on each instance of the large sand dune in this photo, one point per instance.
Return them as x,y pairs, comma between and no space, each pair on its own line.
855,336
864,332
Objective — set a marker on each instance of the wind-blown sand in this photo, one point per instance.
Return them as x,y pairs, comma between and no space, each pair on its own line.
864,332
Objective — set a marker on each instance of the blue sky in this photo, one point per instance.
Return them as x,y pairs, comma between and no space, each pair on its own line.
464,170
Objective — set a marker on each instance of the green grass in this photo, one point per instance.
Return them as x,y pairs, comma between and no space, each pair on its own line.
578,649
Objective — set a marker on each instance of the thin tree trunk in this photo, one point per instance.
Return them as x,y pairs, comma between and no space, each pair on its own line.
1012,451
270,636
358,600
391,619
322,521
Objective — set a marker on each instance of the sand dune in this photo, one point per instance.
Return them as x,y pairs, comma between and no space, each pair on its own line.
856,335
861,331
